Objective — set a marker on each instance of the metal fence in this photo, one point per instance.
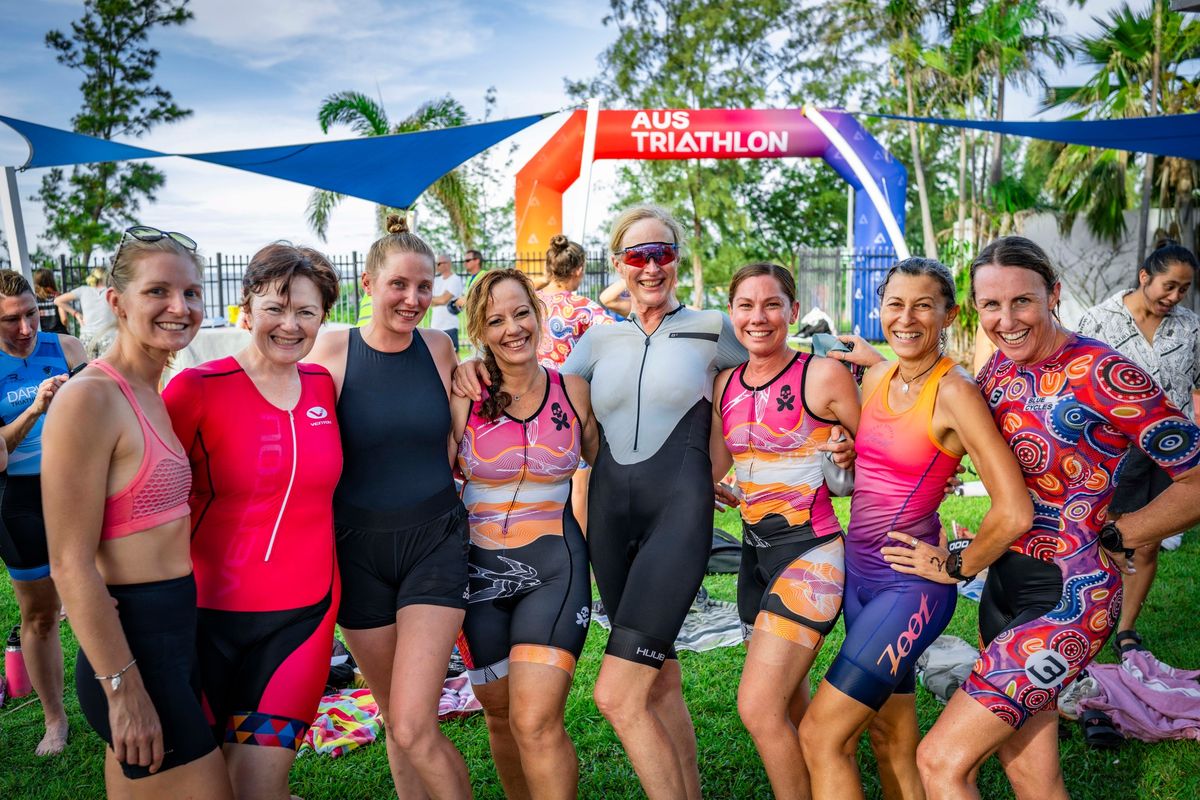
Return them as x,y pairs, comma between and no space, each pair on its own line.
826,278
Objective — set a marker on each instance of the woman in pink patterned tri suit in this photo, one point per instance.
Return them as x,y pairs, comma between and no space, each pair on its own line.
568,316
1071,409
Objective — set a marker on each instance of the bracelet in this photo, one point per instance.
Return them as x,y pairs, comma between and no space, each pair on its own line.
114,680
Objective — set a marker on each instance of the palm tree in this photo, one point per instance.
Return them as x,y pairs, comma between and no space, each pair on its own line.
1097,182
452,192
1011,36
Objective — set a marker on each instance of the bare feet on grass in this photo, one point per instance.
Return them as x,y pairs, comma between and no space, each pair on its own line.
55,740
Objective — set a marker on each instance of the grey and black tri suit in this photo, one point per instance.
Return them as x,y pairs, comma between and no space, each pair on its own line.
650,501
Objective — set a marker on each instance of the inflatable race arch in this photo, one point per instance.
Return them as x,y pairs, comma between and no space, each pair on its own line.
878,179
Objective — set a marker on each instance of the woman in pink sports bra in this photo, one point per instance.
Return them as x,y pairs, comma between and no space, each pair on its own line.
115,487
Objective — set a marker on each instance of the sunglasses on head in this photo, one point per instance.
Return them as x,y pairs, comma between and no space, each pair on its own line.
145,233
638,256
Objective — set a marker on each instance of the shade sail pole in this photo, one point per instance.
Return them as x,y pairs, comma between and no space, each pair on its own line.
14,225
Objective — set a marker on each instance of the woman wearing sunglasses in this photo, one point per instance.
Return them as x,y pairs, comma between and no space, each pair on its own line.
400,528
650,499
265,453
117,516
771,416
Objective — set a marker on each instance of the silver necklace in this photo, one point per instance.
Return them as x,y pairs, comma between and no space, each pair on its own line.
906,383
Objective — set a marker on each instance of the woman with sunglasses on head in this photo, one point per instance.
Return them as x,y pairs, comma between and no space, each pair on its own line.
770,416
401,530
35,365
1070,408
259,430
920,415
116,498
530,597
1148,325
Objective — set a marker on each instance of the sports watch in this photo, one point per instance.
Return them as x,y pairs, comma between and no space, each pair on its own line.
1112,540
954,566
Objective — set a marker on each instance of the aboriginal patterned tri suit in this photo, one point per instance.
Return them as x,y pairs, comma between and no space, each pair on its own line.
529,594
790,581
1052,600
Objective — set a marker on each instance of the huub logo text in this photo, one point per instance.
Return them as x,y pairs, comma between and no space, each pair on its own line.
648,653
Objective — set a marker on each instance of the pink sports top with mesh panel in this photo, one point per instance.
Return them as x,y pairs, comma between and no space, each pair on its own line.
159,491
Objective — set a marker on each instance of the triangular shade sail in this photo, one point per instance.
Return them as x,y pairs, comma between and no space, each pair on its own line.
1176,135
392,170
51,147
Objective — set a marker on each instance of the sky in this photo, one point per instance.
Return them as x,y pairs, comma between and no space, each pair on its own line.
254,73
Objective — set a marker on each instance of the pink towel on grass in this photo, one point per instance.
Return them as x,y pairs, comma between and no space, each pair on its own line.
1147,699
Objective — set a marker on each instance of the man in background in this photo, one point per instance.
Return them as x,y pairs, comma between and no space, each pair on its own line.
446,287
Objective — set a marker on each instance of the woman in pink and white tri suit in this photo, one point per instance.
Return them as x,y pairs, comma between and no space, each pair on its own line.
772,414
262,438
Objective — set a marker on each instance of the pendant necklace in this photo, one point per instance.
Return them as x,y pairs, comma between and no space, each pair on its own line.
906,383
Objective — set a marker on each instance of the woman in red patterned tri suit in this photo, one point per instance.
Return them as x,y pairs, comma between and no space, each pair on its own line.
1070,408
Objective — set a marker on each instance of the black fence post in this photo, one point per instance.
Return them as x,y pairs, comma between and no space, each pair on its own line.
357,282
220,287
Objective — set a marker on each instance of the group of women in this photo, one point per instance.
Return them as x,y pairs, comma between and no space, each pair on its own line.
205,540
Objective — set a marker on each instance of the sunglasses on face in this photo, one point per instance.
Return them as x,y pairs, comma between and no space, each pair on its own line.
638,256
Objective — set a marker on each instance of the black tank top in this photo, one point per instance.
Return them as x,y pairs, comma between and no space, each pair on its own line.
395,423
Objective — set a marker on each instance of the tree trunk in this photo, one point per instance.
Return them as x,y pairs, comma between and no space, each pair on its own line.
1148,178
922,193
960,228
998,144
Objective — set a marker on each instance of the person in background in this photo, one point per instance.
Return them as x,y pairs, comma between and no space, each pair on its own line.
97,325
473,261
116,496
262,511
1149,325
35,366
446,287
568,317
51,318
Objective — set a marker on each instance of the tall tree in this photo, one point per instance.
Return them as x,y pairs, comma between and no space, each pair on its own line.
452,192
89,207
691,54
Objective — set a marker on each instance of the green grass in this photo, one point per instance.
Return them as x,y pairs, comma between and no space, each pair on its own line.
728,763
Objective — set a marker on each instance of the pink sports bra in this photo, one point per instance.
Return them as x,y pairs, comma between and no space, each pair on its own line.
159,491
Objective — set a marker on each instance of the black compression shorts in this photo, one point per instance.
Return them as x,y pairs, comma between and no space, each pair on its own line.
23,532
649,536
159,622
383,572
530,603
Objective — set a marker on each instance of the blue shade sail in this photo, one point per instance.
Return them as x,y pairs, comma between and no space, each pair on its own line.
51,147
1176,135
391,170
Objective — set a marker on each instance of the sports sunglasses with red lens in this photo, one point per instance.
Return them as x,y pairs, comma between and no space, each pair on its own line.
638,256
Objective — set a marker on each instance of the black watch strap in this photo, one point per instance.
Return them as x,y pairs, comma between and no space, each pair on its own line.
1112,540
954,567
